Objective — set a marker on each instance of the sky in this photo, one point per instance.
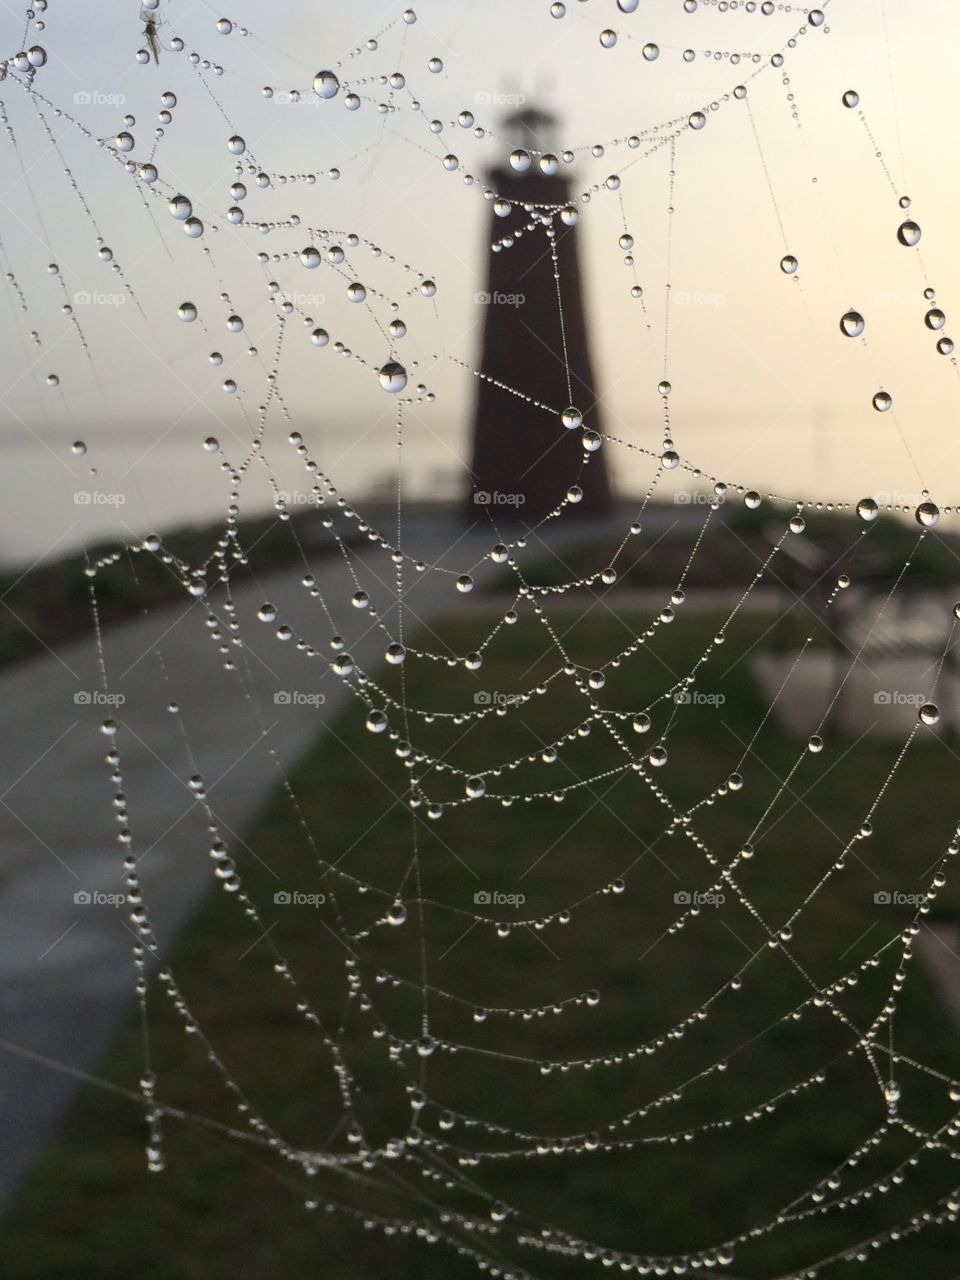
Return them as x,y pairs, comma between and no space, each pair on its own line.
767,391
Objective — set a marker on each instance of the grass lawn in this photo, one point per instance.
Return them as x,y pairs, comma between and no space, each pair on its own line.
226,1209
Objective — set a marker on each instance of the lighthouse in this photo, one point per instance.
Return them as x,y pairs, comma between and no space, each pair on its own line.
528,452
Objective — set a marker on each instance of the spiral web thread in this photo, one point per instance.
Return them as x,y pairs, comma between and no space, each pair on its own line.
449,1158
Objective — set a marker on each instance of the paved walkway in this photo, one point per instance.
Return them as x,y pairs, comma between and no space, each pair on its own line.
66,976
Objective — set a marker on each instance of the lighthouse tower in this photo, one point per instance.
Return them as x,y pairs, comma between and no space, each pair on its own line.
534,342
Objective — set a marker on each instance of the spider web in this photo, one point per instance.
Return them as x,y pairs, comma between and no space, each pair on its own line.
404,620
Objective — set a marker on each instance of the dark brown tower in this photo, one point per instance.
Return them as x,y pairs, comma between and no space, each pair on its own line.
524,458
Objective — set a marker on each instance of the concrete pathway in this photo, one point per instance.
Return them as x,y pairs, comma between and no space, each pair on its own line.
66,976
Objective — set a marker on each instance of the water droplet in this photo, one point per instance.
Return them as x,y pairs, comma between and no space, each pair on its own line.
658,757
393,377
326,84
908,233
180,207
851,324
395,654
928,513
397,913
475,787
571,418
236,145
464,583
751,500
211,444
882,401
929,713
697,120
187,312
935,318
815,744
651,52
78,447
867,509
377,721
851,98
788,264
520,160
267,612
641,723
608,38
